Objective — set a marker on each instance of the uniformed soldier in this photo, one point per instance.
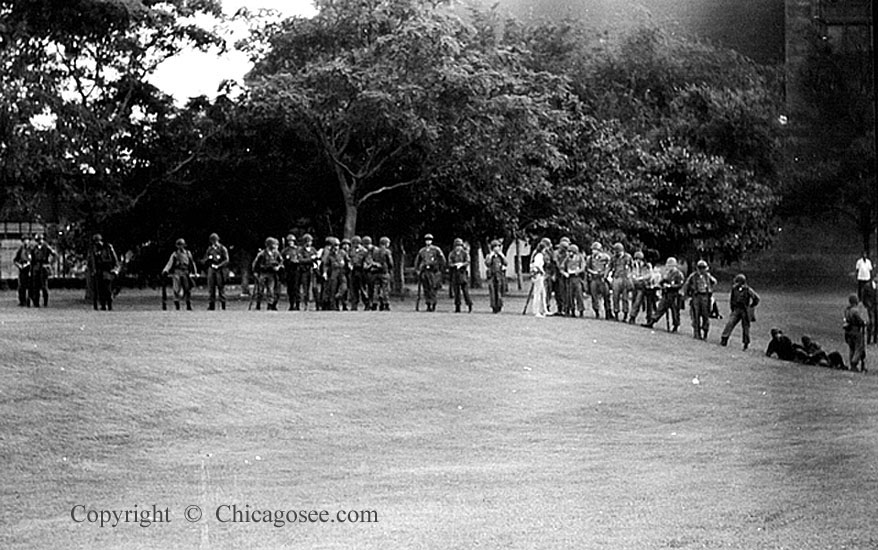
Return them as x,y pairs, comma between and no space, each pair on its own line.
308,260
266,266
620,271
741,301
641,275
429,264
334,267
358,273
103,266
699,288
22,262
381,266
290,255
181,267
559,281
370,272
41,255
597,268
573,271
855,333
670,284
216,258
348,272
495,264
458,266
870,303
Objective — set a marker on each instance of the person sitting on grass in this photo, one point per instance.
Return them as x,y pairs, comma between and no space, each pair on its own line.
781,345
810,352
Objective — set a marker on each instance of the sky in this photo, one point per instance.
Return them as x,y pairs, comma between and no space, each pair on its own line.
195,73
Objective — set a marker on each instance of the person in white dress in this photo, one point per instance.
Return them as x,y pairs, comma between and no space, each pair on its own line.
538,274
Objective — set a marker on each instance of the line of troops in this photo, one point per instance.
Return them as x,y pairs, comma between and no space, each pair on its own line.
620,285
338,276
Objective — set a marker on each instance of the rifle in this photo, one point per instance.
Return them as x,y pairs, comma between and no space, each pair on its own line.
418,301
254,292
530,294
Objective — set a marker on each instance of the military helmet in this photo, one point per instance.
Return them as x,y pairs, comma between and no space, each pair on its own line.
563,245
346,241
213,237
494,243
565,240
270,241
574,248
428,237
619,247
367,240
638,255
671,262
458,241
740,279
181,242
356,240
701,264
307,238
97,237
332,241
385,241
596,246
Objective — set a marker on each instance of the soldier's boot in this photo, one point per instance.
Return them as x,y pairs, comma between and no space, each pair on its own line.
223,305
45,301
188,305
176,305
648,324
724,341
109,306
469,308
747,345
211,306
456,308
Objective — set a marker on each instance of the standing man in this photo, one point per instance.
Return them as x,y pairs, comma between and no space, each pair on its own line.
308,259
334,265
266,266
22,262
854,334
699,287
597,268
358,273
621,266
290,255
641,274
495,266
870,303
371,272
103,266
864,273
559,281
429,265
217,261
41,256
181,266
458,263
670,301
380,263
573,270
741,302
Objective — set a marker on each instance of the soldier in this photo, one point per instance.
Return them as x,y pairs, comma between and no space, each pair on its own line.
699,288
181,266
334,267
573,270
370,271
559,281
670,285
290,255
103,266
266,267
429,265
348,271
458,265
358,273
620,270
641,274
308,259
381,266
216,258
41,255
495,267
741,302
597,268
854,333
870,303
22,262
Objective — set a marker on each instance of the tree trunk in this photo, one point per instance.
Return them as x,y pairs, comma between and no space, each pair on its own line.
350,218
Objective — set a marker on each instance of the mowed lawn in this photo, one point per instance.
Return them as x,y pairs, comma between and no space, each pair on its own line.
461,431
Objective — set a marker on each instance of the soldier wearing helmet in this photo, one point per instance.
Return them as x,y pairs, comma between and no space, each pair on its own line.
22,262
380,263
181,267
335,268
103,266
308,260
41,256
699,288
290,255
266,266
216,258
573,271
742,301
429,264
621,265
495,267
458,267
597,269
641,275
670,285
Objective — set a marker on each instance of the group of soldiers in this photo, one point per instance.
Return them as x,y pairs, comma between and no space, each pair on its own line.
33,259
620,285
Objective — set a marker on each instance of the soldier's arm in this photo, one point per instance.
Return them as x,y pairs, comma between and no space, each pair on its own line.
754,298
224,257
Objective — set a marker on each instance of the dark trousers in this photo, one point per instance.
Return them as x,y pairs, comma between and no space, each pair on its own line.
359,289
292,281
460,287
495,291
23,286
216,286
599,289
430,281
103,295
574,301
306,276
856,342
39,284
700,315
872,329
738,315
670,303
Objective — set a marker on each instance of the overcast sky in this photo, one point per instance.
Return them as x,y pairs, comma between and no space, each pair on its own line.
195,73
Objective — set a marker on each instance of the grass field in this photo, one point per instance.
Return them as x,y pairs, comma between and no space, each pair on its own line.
460,431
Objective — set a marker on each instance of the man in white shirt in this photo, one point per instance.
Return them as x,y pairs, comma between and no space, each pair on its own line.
864,273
